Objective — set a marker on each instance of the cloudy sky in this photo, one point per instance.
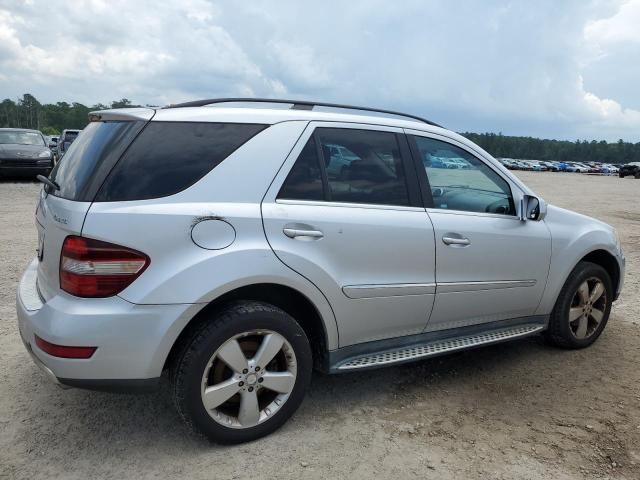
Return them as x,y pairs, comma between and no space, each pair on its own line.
550,68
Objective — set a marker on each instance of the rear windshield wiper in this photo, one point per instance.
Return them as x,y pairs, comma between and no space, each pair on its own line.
53,186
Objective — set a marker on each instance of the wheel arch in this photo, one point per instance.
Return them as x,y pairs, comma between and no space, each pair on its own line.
290,300
607,261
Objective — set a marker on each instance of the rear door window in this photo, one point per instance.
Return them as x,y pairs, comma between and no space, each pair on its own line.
350,166
304,181
168,157
363,166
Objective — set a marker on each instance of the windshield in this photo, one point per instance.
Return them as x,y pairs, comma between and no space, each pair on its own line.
21,138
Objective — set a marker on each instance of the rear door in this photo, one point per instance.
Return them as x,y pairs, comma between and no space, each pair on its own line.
345,212
79,175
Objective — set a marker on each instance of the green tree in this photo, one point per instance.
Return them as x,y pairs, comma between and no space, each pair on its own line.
50,131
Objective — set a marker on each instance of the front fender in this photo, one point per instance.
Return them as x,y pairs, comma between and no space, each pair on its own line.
573,237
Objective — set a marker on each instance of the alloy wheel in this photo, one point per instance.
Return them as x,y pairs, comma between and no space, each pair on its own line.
248,379
587,308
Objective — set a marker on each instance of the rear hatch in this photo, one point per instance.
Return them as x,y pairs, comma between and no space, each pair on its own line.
79,175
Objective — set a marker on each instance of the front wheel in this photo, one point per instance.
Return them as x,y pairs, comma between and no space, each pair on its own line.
582,309
244,374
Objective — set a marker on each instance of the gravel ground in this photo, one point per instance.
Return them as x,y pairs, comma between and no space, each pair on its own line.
517,410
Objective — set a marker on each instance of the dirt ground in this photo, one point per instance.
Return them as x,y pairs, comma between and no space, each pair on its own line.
513,411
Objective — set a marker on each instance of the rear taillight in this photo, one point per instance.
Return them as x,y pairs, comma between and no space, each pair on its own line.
92,268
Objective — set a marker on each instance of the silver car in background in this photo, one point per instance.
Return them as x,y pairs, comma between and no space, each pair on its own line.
219,243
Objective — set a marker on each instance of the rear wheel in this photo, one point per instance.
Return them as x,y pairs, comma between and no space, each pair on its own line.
244,374
582,309
637,174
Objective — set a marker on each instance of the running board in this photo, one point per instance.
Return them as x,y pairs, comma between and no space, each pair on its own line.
437,347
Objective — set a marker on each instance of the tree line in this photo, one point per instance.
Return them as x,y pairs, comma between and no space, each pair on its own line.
52,118
528,148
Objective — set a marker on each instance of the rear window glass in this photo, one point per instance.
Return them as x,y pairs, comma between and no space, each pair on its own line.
168,157
91,156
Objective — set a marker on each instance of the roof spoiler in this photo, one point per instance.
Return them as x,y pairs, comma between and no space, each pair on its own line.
145,114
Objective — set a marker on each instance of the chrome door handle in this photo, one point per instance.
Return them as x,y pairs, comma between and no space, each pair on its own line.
296,232
455,241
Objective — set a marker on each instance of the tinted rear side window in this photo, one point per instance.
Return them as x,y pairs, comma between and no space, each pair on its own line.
168,157
360,166
363,166
304,181
90,158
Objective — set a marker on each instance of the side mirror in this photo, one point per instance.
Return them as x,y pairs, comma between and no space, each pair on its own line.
532,208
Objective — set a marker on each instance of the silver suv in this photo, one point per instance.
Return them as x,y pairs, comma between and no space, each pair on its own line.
239,246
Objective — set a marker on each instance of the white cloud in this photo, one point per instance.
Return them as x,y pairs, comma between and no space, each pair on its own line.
533,68
621,27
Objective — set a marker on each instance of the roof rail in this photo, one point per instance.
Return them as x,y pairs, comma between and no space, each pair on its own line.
298,105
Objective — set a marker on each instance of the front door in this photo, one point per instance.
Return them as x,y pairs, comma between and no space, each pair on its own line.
490,265
345,213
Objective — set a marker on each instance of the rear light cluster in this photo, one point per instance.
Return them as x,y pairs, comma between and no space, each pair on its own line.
95,269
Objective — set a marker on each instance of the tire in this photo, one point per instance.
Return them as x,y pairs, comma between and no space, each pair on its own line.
636,175
563,332
248,324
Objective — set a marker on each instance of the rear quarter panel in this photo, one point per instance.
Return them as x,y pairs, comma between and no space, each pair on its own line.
182,272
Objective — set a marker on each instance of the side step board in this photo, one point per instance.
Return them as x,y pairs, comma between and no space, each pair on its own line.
437,347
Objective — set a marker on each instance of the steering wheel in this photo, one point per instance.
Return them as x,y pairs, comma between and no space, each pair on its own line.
499,206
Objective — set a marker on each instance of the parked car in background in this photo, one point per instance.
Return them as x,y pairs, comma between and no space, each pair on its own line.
214,244
24,152
522,165
52,143
433,160
595,167
67,137
607,169
630,169
538,165
511,165
531,165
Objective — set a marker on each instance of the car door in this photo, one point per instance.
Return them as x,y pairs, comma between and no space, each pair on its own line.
491,266
358,232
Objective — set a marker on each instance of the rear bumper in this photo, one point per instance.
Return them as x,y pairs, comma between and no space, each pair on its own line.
133,340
